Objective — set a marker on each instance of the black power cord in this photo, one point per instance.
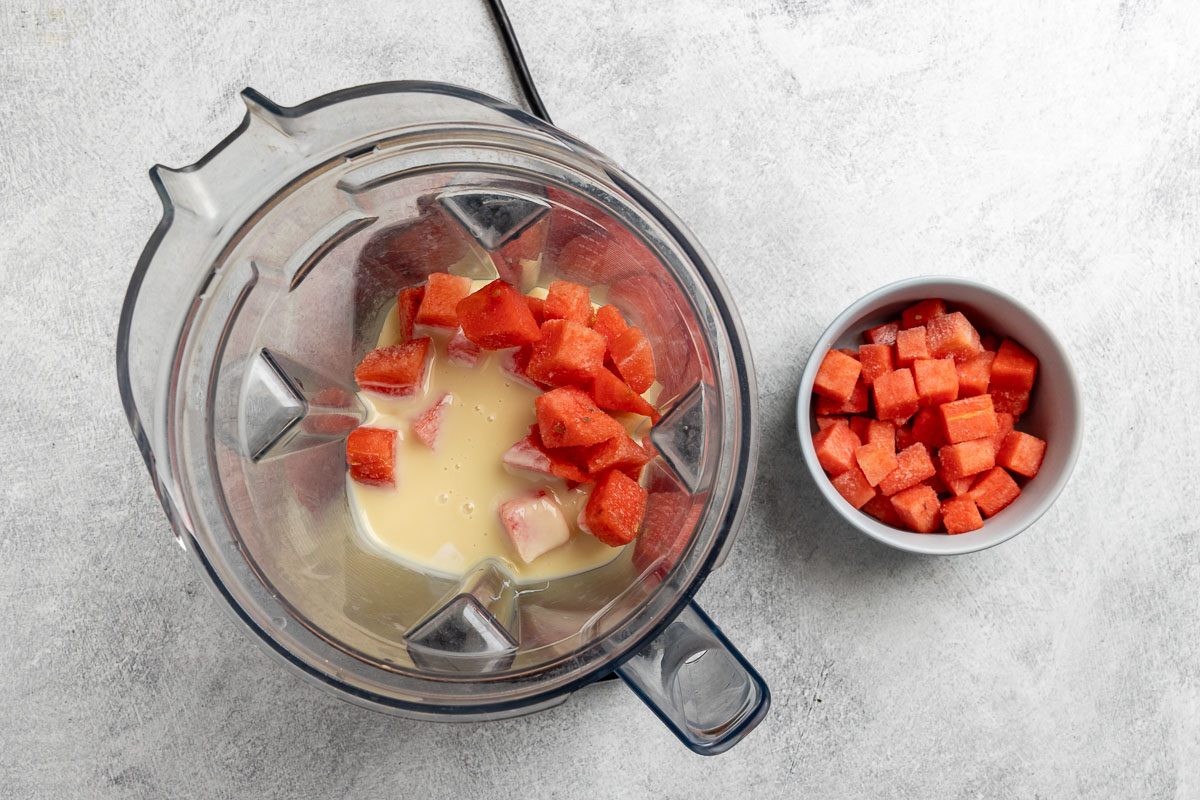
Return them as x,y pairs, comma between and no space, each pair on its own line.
524,78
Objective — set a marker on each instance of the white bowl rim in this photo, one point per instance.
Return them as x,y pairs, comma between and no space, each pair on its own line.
894,537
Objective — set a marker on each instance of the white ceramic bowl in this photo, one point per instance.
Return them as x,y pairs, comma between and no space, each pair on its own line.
1055,409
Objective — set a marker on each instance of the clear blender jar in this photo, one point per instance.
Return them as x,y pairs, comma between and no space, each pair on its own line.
267,279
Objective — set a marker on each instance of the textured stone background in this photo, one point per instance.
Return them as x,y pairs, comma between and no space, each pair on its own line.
819,148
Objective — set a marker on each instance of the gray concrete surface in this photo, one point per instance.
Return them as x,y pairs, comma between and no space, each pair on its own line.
819,148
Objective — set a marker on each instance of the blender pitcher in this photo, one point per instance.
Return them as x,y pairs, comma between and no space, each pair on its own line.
277,257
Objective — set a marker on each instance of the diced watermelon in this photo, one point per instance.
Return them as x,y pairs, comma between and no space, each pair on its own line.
371,455
398,369
938,485
911,345
880,432
1010,401
881,508
516,363
527,457
535,524
567,354
918,508
913,465
966,458
975,374
408,302
537,307
876,461
427,426
860,426
442,296
920,314
936,379
846,351
905,438
876,359
1022,453
568,463
825,422
958,486
993,491
568,300
837,376
462,350
969,418
835,448
953,336
882,334
1015,368
857,404
927,428
853,486
619,452
1004,426
613,394
614,511
497,317
895,395
609,323
567,417
961,515
634,359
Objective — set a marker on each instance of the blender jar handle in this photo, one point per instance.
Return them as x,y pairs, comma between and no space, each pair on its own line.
698,684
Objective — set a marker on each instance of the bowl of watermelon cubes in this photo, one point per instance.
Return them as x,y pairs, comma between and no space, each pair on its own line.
939,415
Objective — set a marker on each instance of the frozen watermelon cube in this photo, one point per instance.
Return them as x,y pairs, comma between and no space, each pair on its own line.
969,418
537,307
953,336
619,452
462,350
858,403
497,317
961,515
974,374
837,376
397,369
634,359
527,457
966,458
860,425
427,426
535,525
1022,453
1004,426
936,379
927,428
567,354
609,323
895,395
439,306
569,300
917,315
881,508
905,438
882,334
854,486
993,491
913,465
614,510
958,486
408,303
824,422
876,359
613,394
1015,368
1010,401
880,432
911,345
835,448
876,461
918,508
567,417
371,456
